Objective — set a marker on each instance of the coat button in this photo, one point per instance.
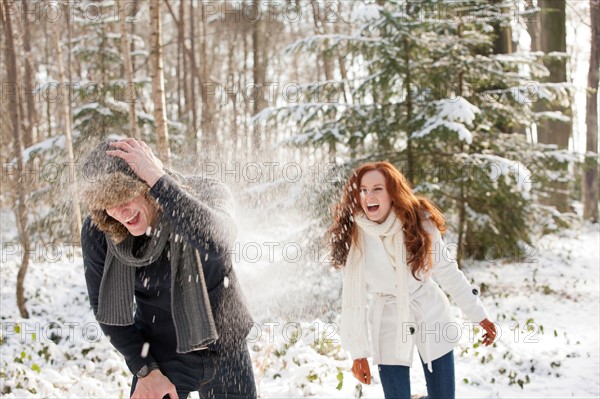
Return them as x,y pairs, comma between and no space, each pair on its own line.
412,330
475,291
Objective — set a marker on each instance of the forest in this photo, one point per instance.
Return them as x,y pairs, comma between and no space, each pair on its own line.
488,107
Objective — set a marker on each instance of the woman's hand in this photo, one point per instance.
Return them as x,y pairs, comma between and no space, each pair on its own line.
154,385
140,158
361,371
490,332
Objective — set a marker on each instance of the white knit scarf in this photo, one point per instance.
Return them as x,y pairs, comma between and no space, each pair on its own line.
354,324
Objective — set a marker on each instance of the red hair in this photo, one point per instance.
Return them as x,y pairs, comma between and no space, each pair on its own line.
407,206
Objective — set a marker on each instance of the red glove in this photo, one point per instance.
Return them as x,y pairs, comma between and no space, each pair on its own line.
361,371
490,332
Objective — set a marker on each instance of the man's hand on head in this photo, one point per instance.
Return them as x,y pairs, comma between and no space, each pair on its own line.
140,158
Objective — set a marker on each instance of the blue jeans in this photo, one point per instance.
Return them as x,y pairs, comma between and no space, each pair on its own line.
216,375
440,384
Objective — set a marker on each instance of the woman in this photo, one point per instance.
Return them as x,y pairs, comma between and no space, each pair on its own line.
389,242
164,240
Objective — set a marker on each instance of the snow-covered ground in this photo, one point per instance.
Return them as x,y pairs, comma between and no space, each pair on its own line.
547,309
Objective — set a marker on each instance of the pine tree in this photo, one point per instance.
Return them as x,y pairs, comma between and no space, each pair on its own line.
101,94
433,98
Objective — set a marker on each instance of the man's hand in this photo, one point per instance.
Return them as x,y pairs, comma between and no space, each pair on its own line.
361,371
154,386
140,158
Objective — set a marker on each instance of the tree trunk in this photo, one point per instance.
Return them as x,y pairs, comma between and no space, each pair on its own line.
194,68
464,235
503,39
69,140
158,83
48,107
180,58
243,80
347,91
321,29
328,68
258,73
69,76
553,39
503,45
29,135
13,107
188,88
209,145
410,172
534,27
590,174
234,112
185,74
130,92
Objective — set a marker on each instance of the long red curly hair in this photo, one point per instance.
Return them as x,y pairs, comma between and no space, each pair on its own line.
407,206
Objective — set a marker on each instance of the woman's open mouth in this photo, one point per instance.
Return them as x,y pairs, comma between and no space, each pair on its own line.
372,208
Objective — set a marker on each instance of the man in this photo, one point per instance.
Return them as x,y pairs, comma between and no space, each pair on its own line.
164,240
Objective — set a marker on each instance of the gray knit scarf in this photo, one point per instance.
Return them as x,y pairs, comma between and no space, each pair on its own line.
192,315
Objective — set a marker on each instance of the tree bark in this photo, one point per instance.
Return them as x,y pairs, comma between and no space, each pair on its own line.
503,39
503,45
48,108
189,63
328,68
590,173
158,83
347,91
243,80
69,76
209,145
410,173
464,235
258,73
193,76
130,92
185,74
13,106
69,141
533,26
553,39
180,58
29,136
233,98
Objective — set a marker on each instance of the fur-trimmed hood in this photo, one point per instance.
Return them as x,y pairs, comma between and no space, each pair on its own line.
109,181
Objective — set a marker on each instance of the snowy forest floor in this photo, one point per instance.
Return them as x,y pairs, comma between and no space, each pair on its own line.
547,309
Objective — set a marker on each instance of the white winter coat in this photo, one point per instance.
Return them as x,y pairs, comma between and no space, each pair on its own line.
431,325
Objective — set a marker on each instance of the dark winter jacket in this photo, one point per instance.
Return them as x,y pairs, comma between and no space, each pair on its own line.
199,210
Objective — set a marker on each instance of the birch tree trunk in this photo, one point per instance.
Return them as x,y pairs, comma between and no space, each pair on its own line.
13,107
192,54
184,59
130,92
209,144
258,72
158,84
69,140
48,104
180,58
29,135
